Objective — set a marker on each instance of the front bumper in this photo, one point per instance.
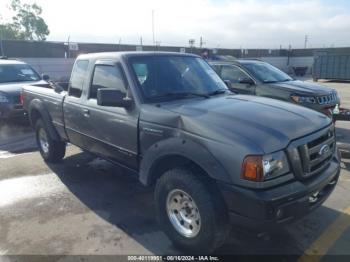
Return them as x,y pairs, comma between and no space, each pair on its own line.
282,204
324,109
9,110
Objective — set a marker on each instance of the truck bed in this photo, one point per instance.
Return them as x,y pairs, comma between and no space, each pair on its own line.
48,98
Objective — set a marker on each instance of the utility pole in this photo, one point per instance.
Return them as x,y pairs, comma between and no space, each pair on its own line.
119,43
68,52
191,43
154,39
305,42
1,45
141,40
201,43
289,54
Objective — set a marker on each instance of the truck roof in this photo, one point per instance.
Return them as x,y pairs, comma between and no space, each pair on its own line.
237,61
130,54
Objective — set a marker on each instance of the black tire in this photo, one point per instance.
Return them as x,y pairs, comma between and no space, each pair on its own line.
213,212
55,150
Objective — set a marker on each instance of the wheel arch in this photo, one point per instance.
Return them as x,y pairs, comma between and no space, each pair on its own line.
175,152
36,111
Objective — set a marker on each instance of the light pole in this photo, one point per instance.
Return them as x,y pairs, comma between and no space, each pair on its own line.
154,39
68,51
1,45
305,41
191,43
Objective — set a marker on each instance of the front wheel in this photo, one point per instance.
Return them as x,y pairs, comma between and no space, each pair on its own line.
192,214
51,150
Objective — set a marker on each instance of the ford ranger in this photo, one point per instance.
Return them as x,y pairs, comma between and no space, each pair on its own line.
214,157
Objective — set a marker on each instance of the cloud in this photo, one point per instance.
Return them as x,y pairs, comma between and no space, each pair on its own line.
223,23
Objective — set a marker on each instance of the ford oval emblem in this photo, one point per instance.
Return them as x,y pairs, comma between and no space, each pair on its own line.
323,150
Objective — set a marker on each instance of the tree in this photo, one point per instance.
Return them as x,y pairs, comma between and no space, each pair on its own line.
27,24
8,31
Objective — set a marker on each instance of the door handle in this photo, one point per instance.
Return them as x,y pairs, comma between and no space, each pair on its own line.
86,112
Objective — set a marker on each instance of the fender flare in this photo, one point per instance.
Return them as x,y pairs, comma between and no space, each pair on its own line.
38,105
186,148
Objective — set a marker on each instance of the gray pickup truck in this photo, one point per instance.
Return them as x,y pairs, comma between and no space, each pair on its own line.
214,157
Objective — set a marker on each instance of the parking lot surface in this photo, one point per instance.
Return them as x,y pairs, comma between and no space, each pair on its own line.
86,206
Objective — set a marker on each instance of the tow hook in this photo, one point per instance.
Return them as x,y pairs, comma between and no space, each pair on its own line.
314,197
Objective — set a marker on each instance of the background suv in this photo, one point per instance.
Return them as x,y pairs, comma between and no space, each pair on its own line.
13,76
255,77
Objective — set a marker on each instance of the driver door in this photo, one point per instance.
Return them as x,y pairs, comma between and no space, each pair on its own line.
241,82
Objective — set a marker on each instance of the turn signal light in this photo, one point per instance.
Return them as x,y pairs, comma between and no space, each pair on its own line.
21,98
252,168
296,99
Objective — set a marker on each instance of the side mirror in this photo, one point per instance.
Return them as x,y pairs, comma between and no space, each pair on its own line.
228,83
45,77
112,97
247,81
58,88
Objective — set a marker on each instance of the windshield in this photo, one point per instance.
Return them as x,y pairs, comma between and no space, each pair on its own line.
164,77
266,73
17,73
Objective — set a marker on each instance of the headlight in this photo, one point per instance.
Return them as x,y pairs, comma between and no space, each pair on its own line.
3,99
261,168
303,99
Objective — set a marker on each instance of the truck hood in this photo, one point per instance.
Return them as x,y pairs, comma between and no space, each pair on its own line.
302,87
269,124
15,88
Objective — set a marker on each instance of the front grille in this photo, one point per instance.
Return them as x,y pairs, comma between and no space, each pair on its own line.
328,99
316,154
18,107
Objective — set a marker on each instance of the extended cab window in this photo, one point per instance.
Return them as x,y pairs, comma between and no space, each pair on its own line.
78,77
233,73
106,76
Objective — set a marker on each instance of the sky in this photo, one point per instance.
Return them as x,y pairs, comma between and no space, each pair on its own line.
221,23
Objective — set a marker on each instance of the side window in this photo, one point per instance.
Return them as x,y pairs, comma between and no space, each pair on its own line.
233,73
106,76
77,79
216,69
141,72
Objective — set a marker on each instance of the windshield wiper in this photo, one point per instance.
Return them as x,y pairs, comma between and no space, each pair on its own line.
287,80
181,94
218,92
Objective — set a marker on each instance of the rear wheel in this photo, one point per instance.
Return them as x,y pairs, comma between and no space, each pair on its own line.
51,150
192,214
